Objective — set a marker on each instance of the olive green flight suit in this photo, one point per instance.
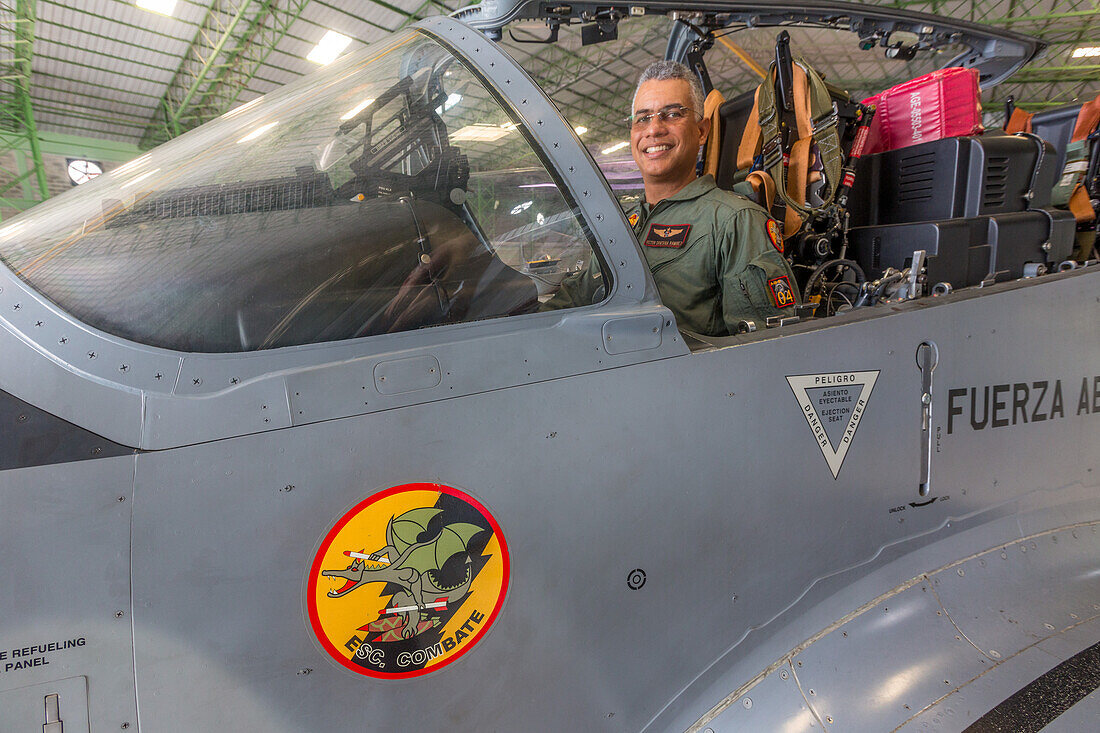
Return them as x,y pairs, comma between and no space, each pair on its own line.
711,257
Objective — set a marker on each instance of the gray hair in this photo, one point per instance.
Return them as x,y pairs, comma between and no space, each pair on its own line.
665,70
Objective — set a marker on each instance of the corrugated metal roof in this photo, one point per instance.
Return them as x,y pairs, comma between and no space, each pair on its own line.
107,68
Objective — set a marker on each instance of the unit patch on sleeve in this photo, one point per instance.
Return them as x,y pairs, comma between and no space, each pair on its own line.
782,294
775,235
663,235
633,219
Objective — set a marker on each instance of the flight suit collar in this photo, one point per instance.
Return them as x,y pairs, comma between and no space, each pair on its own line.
695,189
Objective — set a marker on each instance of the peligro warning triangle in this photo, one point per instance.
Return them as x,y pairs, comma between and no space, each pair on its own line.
833,404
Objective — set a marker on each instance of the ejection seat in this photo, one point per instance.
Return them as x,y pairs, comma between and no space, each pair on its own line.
978,205
782,165
733,116
1073,130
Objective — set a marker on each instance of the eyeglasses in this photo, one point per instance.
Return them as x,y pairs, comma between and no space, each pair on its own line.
671,114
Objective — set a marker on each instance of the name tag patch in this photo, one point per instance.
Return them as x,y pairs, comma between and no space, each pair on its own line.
782,293
664,235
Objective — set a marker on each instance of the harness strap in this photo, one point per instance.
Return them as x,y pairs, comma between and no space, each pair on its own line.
802,115
810,94
750,138
1020,121
764,187
714,138
1087,120
761,145
827,136
1081,206
798,176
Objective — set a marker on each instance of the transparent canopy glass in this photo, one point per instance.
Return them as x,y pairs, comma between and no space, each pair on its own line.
390,191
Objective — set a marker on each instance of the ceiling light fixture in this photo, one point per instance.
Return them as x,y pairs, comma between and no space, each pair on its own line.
137,162
328,48
1086,51
161,7
11,229
483,133
258,131
614,148
140,178
580,129
357,109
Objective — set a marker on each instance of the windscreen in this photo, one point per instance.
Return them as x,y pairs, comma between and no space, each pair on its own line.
391,191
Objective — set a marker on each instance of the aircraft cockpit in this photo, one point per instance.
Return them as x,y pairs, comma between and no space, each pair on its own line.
905,204
415,184
406,187
392,192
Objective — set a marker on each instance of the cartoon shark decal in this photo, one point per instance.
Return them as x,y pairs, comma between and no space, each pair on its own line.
407,581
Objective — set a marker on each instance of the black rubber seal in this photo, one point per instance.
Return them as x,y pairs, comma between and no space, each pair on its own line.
1036,705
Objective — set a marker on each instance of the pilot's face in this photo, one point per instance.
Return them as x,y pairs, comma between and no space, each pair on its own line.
666,150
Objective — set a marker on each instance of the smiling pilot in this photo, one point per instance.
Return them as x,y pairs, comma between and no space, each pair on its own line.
715,256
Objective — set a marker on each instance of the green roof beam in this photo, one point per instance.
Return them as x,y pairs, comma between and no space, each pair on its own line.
224,57
264,33
26,17
16,107
176,110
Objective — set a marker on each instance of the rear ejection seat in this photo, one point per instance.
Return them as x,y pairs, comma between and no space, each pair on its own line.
979,206
734,115
1071,130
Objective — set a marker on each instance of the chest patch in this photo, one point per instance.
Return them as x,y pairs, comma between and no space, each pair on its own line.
782,294
664,235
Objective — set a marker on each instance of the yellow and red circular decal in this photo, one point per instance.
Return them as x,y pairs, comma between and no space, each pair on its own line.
775,234
407,581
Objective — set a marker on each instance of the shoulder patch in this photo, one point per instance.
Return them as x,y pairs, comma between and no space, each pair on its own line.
633,219
775,235
664,235
780,288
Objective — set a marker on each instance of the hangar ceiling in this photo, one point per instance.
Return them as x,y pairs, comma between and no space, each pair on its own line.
108,70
